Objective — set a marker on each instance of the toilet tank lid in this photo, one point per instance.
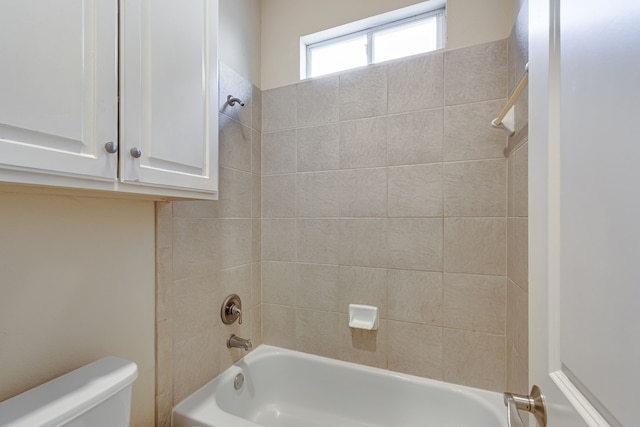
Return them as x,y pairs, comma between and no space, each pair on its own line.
69,395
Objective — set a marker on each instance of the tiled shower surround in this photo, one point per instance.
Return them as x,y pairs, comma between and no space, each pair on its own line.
387,186
384,186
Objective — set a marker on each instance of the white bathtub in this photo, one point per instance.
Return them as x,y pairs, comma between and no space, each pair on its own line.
284,388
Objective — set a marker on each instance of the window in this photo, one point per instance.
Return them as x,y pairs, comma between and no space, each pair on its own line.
383,38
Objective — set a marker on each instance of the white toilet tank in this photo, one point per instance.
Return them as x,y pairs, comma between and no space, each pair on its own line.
96,395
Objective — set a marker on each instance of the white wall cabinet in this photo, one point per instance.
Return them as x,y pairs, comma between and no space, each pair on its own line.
78,74
58,87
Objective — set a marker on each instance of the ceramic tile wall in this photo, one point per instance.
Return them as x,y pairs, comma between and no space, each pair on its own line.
517,230
383,186
207,250
387,186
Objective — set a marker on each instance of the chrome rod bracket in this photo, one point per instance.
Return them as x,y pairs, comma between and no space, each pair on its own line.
507,123
533,403
507,112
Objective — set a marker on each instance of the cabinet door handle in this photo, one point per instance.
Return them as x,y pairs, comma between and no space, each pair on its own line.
135,152
111,147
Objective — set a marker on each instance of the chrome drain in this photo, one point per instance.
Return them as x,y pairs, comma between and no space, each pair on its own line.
238,381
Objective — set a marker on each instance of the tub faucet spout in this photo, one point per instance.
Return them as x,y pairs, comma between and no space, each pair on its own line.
235,341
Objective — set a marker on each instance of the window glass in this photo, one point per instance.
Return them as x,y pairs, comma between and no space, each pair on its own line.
338,56
389,37
405,40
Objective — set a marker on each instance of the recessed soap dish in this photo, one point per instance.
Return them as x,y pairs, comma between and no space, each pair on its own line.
363,317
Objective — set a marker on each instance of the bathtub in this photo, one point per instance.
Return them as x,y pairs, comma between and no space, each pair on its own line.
284,388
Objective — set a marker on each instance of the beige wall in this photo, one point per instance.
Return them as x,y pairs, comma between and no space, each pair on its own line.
240,32
516,6
76,284
469,22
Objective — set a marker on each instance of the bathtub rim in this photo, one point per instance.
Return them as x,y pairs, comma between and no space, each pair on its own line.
205,395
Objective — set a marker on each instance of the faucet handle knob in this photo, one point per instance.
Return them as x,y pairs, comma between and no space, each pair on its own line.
231,309
237,312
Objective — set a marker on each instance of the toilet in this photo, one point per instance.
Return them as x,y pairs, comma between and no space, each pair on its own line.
95,395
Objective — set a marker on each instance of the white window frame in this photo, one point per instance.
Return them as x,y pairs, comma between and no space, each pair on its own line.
369,27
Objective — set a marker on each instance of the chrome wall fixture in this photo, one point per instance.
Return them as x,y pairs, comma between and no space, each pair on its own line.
231,100
238,381
533,403
235,341
231,310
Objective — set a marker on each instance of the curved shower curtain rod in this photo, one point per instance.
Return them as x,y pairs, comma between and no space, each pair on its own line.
505,113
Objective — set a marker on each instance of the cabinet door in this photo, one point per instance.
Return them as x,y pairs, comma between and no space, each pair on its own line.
169,93
58,89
